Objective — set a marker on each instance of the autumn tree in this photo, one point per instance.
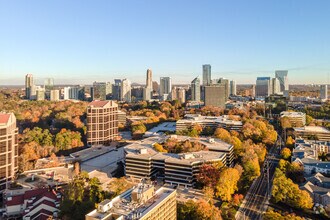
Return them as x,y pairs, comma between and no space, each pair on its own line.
285,153
227,183
209,174
284,190
201,210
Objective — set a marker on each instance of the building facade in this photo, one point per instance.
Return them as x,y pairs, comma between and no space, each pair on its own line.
126,88
263,87
282,76
102,122
196,90
99,91
28,85
206,74
232,88
215,95
165,86
324,92
8,149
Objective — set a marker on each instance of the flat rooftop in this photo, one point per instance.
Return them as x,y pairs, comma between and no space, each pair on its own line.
316,129
124,205
163,127
195,118
92,152
144,149
292,114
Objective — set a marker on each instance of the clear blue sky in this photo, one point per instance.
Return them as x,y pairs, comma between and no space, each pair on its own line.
99,40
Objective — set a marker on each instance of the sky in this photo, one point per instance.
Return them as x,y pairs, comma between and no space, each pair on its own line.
99,40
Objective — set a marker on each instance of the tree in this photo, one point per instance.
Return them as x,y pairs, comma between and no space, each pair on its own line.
227,183
159,148
289,142
285,153
309,119
201,210
209,174
284,190
95,190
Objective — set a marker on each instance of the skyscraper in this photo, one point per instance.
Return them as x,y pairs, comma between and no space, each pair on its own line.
282,76
206,74
49,84
196,89
324,92
126,90
232,90
263,86
149,79
8,149
116,90
165,86
102,122
215,95
276,86
28,85
225,82
99,91
54,95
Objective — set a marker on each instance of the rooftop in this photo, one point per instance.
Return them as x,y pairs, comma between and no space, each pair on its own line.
318,129
195,118
292,114
101,104
125,205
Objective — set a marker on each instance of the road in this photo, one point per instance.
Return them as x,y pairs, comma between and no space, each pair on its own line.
256,200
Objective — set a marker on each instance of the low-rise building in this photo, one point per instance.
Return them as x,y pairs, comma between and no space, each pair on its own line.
141,202
142,161
312,166
297,119
312,132
319,194
228,122
31,203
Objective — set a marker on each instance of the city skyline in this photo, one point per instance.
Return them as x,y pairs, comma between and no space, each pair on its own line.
241,40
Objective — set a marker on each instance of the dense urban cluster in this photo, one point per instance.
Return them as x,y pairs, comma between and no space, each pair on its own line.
208,150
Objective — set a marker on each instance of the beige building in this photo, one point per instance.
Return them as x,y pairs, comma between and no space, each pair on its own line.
141,202
216,95
312,132
54,95
297,119
8,148
102,122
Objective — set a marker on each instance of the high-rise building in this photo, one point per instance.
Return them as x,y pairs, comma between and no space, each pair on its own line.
116,90
232,88
181,95
40,94
147,94
126,91
108,90
28,85
54,95
282,76
49,84
149,79
215,95
276,87
8,149
324,92
206,74
263,86
196,89
225,82
165,86
102,122
99,91
66,92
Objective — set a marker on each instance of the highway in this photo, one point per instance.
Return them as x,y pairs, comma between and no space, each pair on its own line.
256,200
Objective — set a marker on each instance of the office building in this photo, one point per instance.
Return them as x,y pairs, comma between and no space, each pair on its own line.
33,92
282,76
232,88
324,92
263,87
165,86
149,79
147,94
179,94
312,132
297,119
8,149
196,89
99,91
66,92
226,83
108,90
102,122
276,87
116,90
215,95
28,85
49,84
54,95
206,74
142,202
228,122
144,162
126,91
40,94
